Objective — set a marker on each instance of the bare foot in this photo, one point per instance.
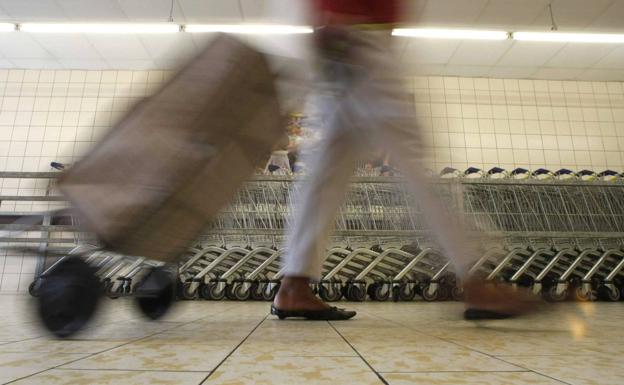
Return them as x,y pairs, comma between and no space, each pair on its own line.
489,301
295,294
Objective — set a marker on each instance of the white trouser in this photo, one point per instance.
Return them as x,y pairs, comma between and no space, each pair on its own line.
372,109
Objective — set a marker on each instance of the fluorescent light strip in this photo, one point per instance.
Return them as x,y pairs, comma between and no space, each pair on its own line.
112,28
459,34
7,27
566,37
251,29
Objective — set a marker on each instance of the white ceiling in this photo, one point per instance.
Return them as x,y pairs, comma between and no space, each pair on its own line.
436,57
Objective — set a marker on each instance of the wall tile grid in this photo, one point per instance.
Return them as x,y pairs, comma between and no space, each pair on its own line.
57,116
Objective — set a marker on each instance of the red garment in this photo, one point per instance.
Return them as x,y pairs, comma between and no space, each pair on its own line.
375,11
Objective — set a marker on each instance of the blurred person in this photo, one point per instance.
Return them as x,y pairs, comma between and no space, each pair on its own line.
367,107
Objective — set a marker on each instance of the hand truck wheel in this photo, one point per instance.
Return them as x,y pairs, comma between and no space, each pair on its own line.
68,297
161,285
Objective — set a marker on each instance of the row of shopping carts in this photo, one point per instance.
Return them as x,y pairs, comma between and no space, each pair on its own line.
563,238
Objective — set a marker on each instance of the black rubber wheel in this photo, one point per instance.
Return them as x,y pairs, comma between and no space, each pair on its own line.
157,306
430,297
240,292
606,294
379,292
355,293
581,296
33,288
268,294
330,295
188,292
552,295
68,297
211,292
255,291
405,293
457,294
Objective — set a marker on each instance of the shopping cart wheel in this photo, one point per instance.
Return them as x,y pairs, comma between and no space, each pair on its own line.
606,294
355,293
379,291
429,296
457,294
552,294
156,293
403,292
255,291
239,292
212,292
68,297
330,293
582,295
188,291
269,292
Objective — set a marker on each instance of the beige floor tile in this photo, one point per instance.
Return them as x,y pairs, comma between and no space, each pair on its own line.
18,365
425,357
267,369
158,355
596,369
469,378
333,346
112,377
48,345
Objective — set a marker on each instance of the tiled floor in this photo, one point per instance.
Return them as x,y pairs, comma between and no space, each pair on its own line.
388,343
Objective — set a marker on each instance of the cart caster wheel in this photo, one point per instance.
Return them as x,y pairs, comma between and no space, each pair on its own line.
240,292
581,296
606,294
269,294
329,295
457,294
33,288
553,296
255,291
211,292
68,297
378,292
355,293
161,299
429,296
188,292
403,292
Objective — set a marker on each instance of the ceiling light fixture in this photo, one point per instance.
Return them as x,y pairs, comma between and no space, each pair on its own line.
251,29
7,27
459,34
566,37
110,28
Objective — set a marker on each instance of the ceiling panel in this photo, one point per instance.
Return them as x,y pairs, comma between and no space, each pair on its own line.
67,46
122,47
213,10
611,19
480,53
573,14
530,54
102,10
512,72
426,51
150,10
614,60
37,63
464,12
512,12
580,55
558,73
84,64
468,71
27,10
170,47
16,45
603,75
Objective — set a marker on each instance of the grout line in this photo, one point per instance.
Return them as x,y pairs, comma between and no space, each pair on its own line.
383,380
233,350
